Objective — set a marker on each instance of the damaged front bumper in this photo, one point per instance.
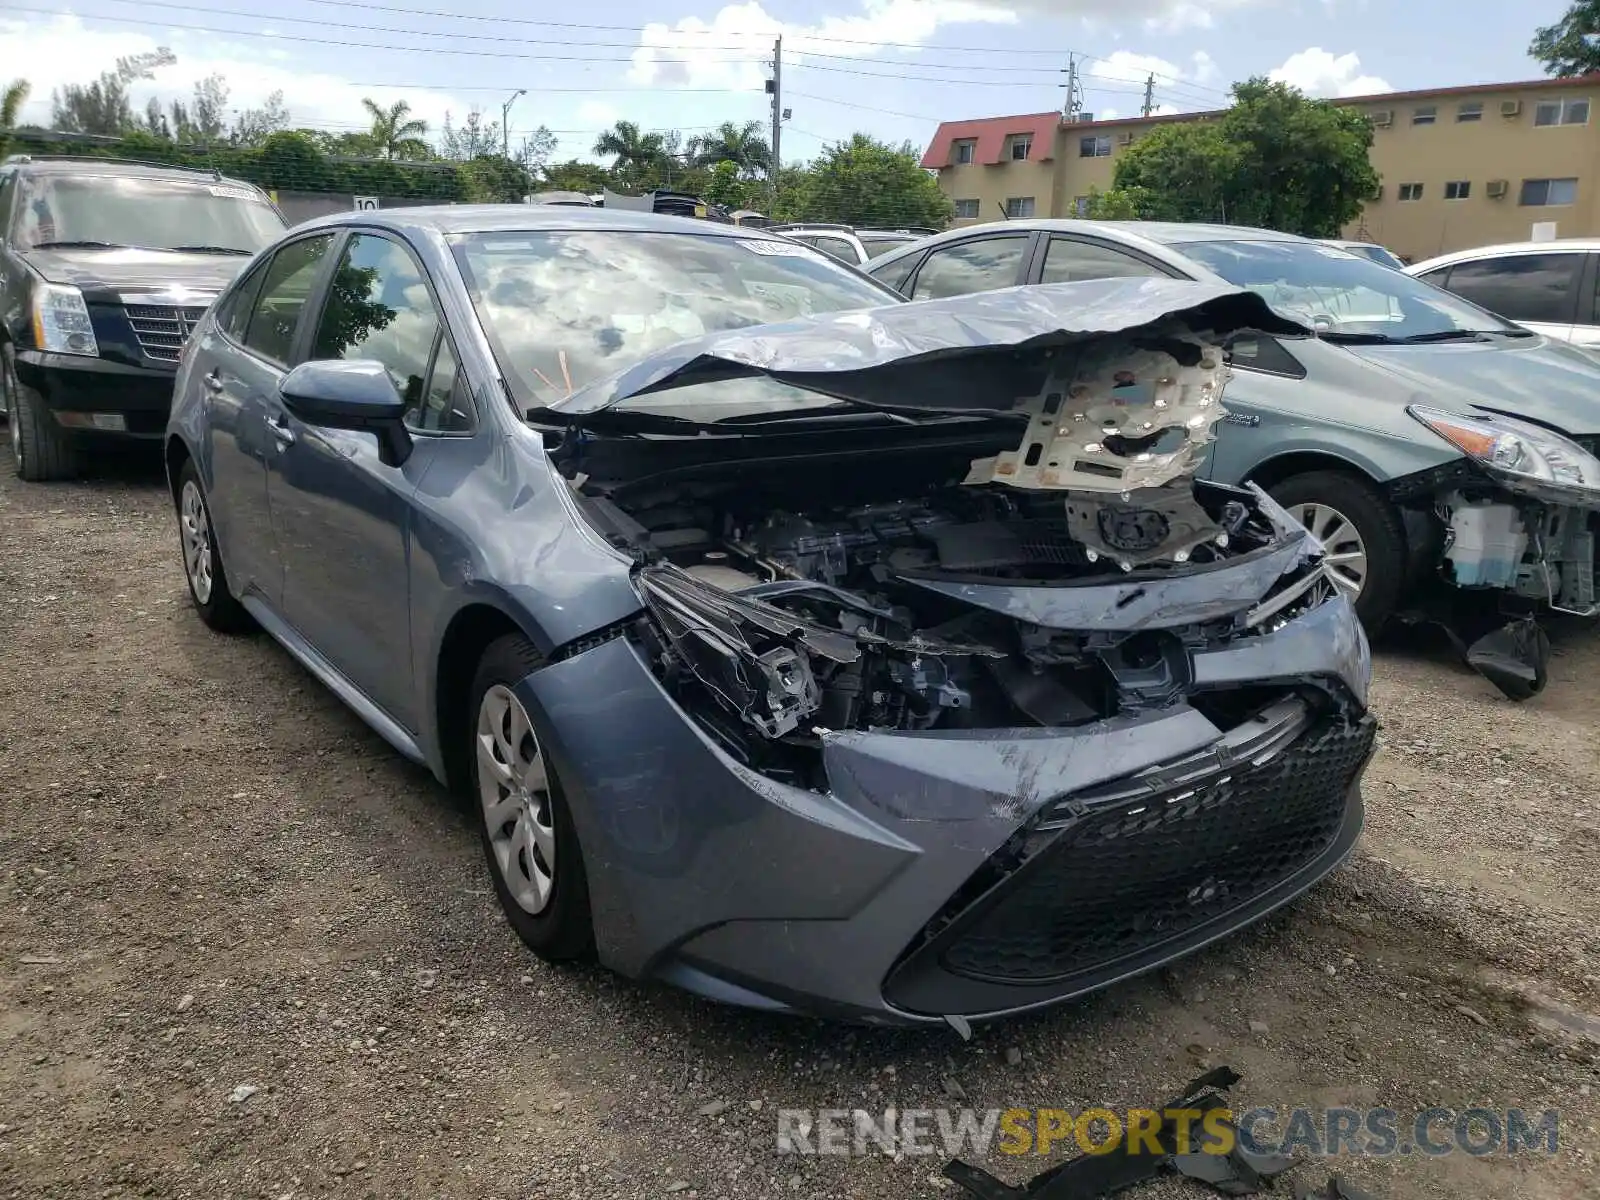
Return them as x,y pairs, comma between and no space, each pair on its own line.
928,880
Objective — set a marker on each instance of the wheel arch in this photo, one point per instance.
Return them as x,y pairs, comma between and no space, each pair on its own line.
175,453
469,632
1273,471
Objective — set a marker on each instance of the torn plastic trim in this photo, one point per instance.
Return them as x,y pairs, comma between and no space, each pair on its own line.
961,354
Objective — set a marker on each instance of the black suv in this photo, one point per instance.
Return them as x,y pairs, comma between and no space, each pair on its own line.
105,266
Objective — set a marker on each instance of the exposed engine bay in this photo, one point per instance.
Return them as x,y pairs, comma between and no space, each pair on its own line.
1534,550
787,603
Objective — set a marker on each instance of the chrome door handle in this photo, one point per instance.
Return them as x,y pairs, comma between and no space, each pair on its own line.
213,381
280,430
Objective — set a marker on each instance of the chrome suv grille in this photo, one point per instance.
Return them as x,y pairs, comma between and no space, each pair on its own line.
163,328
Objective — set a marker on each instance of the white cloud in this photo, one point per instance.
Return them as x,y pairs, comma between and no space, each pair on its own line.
731,49
1317,72
1205,69
63,50
597,114
1124,66
1154,16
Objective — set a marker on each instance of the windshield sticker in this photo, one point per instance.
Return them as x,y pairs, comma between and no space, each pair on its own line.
783,249
232,193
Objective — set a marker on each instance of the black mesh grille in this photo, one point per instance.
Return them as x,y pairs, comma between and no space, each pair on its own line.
1145,872
162,329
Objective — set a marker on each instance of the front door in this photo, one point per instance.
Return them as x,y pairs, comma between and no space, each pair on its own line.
341,514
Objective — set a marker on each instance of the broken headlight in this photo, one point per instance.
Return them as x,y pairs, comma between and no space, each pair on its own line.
1518,452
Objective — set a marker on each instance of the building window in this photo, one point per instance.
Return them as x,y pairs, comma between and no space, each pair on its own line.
1411,191
1080,206
1021,146
1019,206
1095,147
1471,111
1542,193
965,152
1561,112
1424,116
1458,189
966,210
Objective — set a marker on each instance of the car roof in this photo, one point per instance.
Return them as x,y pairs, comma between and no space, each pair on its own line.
88,165
491,218
1579,245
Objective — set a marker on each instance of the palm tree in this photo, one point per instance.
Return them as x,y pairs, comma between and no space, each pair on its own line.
395,135
742,145
632,150
11,102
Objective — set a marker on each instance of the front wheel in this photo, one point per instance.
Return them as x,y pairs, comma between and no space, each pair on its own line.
526,830
1359,528
41,449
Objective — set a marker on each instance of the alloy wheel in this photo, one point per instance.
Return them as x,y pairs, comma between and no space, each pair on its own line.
1346,553
195,526
514,789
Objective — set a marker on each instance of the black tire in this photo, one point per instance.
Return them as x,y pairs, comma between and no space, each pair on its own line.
563,931
219,609
1376,522
42,450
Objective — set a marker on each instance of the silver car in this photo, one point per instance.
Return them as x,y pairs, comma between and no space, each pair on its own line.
1431,445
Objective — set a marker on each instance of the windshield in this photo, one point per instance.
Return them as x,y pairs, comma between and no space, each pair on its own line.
878,246
1377,254
1343,295
160,214
565,308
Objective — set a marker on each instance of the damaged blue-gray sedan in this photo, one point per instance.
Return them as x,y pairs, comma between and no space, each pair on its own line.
802,647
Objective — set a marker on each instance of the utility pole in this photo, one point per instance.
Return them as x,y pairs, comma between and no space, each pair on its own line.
1149,94
1073,104
775,90
505,121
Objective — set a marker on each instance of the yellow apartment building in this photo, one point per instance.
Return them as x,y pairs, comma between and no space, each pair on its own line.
1461,167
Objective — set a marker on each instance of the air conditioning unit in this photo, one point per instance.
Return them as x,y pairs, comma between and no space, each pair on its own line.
1084,117
1124,139
1377,193
1510,108
1496,189
1383,118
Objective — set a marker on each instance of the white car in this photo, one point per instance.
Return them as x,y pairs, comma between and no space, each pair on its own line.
1548,287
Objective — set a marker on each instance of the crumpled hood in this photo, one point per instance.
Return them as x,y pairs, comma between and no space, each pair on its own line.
112,271
960,353
1538,379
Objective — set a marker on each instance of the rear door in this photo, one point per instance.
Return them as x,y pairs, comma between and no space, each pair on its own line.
1066,259
239,363
1539,291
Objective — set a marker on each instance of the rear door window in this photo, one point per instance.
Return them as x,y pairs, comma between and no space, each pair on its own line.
981,265
838,248
285,288
1067,260
1522,287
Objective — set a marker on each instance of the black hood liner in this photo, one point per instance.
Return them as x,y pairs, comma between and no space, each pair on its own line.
962,353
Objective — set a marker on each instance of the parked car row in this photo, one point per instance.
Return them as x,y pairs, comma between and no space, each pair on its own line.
708,566
1421,437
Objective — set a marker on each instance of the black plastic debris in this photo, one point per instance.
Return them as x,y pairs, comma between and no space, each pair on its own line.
1515,658
1089,1177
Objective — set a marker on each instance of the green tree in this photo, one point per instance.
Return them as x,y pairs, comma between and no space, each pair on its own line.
575,175
254,125
104,107
742,145
12,99
495,179
395,132
633,152
1276,159
723,186
1119,204
868,182
1572,45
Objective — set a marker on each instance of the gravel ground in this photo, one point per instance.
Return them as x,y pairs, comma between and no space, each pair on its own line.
216,880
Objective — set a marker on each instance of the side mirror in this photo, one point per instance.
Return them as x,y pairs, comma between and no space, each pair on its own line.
356,395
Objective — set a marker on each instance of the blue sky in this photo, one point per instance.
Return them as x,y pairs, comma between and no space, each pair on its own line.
890,67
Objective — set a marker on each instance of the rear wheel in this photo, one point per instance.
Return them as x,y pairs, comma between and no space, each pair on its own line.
202,564
1361,531
526,830
41,449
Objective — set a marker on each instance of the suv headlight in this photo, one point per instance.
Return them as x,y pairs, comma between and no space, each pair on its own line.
61,321
1519,454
